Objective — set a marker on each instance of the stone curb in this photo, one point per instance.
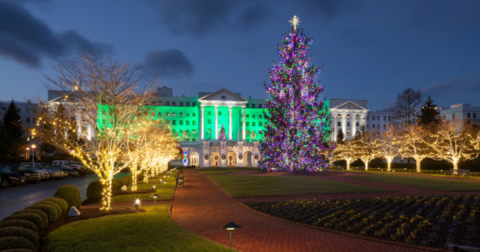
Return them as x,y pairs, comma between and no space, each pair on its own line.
347,234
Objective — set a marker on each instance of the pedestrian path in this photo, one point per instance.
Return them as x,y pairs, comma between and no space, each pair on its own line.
203,208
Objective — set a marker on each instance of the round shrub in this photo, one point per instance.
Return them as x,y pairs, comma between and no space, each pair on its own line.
70,194
20,232
20,223
40,213
35,218
49,210
58,210
94,190
60,202
12,242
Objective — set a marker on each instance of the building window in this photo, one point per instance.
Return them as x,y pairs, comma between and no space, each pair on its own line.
474,115
247,124
378,126
168,114
174,103
357,124
194,122
173,114
28,119
339,124
248,116
159,113
260,124
348,124
373,126
384,118
389,118
34,120
159,103
181,122
357,116
173,122
248,132
453,116
373,118
193,114
339,116
253,123
253,105
187,122
219,113
209,112
468,115
348,116
259,116
188,104
181,104
194,103
181,114
253,116
167,103
209,121
385,126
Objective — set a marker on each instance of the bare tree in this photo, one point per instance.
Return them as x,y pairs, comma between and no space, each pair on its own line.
407,105
453,141
106,98
416,144
390,144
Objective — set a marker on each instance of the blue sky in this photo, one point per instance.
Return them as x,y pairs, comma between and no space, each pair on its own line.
369,49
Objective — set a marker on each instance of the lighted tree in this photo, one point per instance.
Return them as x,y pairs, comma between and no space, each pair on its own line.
417,144
390,145
222,135
453,141
296,125
365,146
346,152
105,95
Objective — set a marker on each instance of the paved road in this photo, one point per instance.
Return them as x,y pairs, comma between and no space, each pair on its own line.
13,199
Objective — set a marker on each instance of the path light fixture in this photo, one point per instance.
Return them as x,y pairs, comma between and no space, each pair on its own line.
155,196
230,227
137,204
154,188
33,156
160,181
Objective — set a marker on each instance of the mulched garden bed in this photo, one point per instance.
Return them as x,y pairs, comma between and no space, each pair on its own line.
85,214
431,221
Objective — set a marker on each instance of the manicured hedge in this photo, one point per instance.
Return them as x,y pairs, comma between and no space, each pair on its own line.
40,213
35,218
60,202
20,232
58,210
70,194
20,223
12,242
49,210
94,190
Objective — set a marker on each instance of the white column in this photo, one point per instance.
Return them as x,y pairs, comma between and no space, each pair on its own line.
202,119
344,124
243,129
216,122
229,122
333,126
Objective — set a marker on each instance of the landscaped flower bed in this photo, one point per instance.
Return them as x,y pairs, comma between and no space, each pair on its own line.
431,221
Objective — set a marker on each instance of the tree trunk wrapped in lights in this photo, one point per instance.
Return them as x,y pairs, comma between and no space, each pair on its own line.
365,146
346,151
454,141
104,95
296,126
417,144
390,145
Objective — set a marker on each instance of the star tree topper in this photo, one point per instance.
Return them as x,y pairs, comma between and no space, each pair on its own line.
295,21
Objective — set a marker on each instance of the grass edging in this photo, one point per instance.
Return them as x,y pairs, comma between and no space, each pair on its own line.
217,185
366,238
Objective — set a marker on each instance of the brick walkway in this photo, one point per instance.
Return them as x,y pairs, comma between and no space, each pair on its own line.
203,208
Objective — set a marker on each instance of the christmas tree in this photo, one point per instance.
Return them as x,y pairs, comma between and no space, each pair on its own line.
297,125
222,135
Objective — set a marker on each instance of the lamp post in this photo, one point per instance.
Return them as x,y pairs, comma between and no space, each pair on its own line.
28,152
155,196
230,227
33,156
154,188
137,204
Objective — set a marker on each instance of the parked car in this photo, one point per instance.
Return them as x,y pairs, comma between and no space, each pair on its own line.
74,164
69,170
12,178
30,174
54,173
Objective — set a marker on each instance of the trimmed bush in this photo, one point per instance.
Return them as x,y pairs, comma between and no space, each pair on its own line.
35,218
60,202
20,223
94,190
58,210
20,232
12,242
49,210
40,213
70,194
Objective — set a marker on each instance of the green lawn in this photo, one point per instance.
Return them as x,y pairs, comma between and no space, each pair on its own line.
423,182
164,192
149,231
253,186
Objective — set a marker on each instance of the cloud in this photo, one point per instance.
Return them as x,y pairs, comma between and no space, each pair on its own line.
454,87
167,63
27,39
201,17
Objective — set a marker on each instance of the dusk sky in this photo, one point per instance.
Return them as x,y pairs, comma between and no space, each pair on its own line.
369,49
